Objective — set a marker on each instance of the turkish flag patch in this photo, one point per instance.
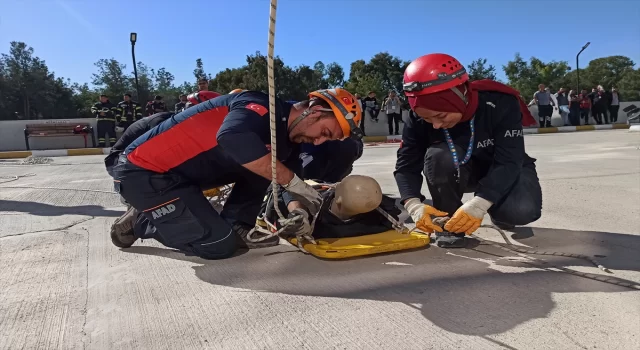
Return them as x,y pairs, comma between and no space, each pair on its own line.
262,110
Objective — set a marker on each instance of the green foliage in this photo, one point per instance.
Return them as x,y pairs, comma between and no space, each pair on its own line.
29,90
479,70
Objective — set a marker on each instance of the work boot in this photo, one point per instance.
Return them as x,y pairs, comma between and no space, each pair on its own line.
446,239
502,225
242,231
122,229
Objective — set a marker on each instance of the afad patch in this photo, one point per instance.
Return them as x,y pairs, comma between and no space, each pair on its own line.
262,110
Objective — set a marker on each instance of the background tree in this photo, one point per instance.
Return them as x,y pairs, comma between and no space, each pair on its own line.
28,89
526,76
479,70
112,80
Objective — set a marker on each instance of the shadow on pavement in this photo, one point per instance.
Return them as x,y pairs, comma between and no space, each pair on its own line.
41,209
465,291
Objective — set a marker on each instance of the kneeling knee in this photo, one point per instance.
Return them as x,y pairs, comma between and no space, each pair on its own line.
219,250
439,165
519,212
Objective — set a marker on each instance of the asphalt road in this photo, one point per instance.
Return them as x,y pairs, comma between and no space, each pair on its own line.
63,285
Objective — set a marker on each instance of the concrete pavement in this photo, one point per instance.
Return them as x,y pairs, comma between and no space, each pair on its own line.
64,286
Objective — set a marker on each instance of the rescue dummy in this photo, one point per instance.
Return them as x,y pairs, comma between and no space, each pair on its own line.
348,210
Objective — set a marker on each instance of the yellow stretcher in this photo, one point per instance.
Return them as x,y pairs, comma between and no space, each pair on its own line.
350,247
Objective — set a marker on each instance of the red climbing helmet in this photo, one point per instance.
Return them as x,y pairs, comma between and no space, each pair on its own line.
433,73
201,96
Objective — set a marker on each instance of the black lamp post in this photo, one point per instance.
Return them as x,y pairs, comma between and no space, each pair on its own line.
133,37
578,67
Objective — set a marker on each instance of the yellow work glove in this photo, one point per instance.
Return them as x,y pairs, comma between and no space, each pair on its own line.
211,192
469,216
421,215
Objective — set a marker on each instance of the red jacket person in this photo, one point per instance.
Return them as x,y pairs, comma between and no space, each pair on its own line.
217,142
465,137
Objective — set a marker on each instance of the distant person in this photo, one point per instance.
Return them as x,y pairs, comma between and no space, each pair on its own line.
563,105
359,98
156,106
600,105
105,113
181,105
391,107
127,112
542,98
203,84
371,105
574,108
585,106
614,107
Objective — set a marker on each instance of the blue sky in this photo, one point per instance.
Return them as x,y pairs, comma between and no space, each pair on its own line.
70,35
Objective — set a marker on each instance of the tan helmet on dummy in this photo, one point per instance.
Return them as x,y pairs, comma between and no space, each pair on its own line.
356,194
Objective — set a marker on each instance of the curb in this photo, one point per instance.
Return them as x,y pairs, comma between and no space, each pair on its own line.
562,129
55,153
367,139
527,131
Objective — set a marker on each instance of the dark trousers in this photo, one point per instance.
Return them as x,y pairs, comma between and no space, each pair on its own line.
584,113
544,115
574,115
373,113
521,206
394,119
600,111
106,127
613,111
173,210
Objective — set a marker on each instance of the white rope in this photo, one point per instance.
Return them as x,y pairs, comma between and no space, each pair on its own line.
272,103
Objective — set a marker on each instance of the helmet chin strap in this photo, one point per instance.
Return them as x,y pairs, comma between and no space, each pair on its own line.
299,118
462,95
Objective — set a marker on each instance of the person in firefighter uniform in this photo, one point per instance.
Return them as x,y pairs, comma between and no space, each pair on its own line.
127,113
105,113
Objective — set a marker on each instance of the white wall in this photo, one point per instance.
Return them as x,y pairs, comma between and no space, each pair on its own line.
381,128
12,131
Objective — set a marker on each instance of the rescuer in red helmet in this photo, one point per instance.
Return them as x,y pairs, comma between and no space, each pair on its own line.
466,137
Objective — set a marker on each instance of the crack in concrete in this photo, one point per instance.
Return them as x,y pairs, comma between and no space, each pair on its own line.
86,340
51,230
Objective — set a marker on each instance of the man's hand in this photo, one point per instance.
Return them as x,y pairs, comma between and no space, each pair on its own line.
297,224
305,194
469,217
421,215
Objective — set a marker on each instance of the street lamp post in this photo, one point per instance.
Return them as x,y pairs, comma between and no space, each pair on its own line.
578,67
133,37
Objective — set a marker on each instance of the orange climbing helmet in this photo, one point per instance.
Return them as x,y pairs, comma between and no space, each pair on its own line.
345,107
235,91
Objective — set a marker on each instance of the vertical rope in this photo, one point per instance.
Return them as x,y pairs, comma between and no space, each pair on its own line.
272,104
